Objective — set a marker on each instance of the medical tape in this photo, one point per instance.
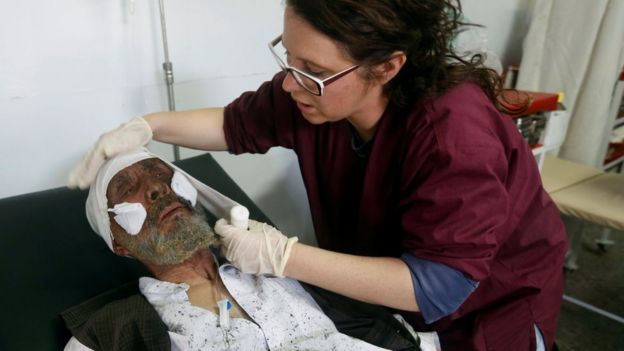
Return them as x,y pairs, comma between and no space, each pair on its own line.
224,313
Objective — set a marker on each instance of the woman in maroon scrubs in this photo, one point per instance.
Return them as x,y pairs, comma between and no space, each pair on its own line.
424,197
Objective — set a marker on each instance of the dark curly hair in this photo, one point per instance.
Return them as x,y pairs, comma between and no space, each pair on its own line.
370,31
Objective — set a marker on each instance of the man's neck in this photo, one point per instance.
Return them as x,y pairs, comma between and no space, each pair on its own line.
200,272
198,269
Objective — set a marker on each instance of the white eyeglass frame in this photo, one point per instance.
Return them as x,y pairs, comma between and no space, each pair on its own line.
320,83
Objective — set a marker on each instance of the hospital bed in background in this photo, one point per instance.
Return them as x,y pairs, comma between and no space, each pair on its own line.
590,195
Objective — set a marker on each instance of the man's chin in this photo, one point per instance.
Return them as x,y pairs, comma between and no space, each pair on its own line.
187,236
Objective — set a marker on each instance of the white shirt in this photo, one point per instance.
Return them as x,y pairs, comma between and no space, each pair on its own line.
285,315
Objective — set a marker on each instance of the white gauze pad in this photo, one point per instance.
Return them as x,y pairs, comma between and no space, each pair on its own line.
183,187
130,216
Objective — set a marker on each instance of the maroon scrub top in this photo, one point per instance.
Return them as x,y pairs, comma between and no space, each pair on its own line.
449,180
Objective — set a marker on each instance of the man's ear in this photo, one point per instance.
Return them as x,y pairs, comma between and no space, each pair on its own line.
389,69
120,250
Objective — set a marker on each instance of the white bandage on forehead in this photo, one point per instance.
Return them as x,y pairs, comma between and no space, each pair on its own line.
97,203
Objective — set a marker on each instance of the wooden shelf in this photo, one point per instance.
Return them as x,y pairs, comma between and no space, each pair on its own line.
615,154
614,162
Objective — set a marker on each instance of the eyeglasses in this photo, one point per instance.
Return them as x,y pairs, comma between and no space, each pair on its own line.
308,82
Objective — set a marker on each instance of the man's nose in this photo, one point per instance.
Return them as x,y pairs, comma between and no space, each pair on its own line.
155,189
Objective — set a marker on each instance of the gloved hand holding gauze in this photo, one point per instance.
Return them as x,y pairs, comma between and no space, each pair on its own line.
260,250
129,136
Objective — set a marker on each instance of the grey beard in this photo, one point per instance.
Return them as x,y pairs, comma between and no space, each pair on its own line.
188,235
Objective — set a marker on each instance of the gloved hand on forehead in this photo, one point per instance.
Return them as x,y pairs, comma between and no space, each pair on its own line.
131,135
261,249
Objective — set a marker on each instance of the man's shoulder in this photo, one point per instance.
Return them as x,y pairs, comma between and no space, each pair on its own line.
122,311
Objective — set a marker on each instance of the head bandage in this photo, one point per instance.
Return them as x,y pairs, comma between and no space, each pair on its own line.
97,202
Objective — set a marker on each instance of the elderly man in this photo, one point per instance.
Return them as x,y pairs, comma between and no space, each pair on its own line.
152,211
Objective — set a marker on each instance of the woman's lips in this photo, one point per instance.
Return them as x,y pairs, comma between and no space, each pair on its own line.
304,107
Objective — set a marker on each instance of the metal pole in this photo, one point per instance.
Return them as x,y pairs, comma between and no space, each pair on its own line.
168,69
594,309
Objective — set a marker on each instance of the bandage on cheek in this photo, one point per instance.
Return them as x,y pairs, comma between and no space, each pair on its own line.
129,216
183,187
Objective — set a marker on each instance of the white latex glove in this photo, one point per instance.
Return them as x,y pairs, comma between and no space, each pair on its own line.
131,135
260,250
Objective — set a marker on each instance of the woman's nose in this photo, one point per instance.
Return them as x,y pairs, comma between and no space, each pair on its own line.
289,84
156,189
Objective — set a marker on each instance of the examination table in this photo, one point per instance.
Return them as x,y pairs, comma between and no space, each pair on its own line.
51,261
590,195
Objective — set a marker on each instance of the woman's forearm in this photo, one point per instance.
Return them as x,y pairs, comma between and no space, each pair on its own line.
198,129
384,281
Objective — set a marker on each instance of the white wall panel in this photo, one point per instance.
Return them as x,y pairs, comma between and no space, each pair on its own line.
506,23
